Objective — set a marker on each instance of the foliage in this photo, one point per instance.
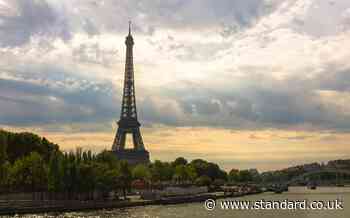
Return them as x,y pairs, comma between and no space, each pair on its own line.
141,172
30,163
29,173
3,148
4,176
191,173
22,144
244,176
55,173
180,174
161,171
212,170
4,165
233,175
124,176
180,161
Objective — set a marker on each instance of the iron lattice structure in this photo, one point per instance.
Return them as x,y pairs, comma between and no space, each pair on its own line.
128,123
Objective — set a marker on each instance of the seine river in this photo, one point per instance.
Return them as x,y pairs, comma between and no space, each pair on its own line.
198,210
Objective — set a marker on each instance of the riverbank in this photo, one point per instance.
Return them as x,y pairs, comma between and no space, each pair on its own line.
197,210
29,207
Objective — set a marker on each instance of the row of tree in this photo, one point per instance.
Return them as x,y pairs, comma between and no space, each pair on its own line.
29,163
69,173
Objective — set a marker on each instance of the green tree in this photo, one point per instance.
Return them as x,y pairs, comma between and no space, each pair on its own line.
107,157
22,144
245,176
107,179
211,170
233,175
4,166
29,173
125,177
3,148
180,161
141,172
180,175
4,176
87,177
161,171
255,175
55,173
70,174
191,173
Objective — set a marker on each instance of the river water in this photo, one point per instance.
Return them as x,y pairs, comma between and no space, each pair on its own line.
198,210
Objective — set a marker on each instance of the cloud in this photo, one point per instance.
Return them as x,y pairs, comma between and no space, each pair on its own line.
23,20
47,100
234,64
149,15
313,22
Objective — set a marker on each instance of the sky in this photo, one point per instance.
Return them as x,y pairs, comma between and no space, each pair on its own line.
244,83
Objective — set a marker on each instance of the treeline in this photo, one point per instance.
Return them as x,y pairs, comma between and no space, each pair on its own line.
29,163
17,145
236,176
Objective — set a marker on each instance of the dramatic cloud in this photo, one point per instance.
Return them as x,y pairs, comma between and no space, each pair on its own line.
23,20
238,64
248,77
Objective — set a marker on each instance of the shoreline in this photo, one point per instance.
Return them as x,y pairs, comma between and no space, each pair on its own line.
71,206
32,207
8,208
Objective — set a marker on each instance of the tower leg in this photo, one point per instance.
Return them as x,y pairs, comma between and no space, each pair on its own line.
119,140
137,139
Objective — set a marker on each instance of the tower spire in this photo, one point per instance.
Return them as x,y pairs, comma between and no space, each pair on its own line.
129,27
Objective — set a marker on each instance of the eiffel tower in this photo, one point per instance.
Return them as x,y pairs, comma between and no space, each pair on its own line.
128,123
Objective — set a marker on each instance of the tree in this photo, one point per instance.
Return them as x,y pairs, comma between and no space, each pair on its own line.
161,171
233,175
211,170
200,166
22,144
191,173
245,176
124,176
29,173
180,161
141,172
107,157
4,165
70,174
86,178
255,175
3,148
107,179
4,176
180,174
55,173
